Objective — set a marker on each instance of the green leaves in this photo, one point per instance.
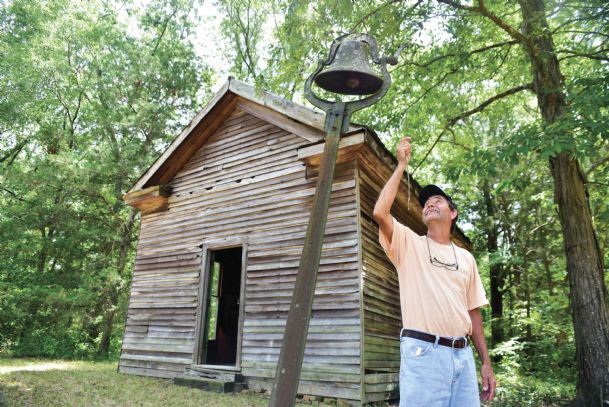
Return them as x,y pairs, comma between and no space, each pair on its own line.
88,106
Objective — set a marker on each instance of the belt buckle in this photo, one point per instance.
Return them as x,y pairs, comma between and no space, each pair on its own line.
455,340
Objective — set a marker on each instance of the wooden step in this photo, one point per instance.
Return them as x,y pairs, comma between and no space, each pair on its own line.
208,373
218,386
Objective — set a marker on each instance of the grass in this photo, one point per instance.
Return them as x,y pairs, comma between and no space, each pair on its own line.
35,382
538,390
41,383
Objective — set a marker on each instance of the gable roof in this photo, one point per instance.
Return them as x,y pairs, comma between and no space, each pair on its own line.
150,192
297,119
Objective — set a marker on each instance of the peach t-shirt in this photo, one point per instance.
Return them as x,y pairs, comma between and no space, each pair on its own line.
434,299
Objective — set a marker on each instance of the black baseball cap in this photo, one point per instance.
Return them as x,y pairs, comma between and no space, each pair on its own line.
431,190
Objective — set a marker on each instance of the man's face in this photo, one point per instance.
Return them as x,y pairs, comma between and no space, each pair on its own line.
436,209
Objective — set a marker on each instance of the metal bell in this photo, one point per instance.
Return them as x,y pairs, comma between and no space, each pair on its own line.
350,72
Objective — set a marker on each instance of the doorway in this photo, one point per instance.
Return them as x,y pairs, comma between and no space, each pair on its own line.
222,299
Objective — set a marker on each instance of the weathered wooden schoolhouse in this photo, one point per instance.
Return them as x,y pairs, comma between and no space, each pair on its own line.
223,219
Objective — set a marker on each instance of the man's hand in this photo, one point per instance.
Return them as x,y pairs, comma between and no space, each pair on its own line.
488,382
486,371
382,208
403,151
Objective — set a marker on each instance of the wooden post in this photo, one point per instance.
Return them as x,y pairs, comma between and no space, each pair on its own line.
287,374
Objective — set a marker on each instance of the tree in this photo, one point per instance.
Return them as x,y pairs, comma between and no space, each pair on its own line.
87,106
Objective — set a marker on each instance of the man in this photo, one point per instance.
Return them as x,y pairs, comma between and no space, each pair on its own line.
440,296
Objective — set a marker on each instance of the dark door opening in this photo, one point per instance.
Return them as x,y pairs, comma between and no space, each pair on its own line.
221,319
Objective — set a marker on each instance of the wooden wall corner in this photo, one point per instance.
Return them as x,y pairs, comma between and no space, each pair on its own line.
348,147
149,200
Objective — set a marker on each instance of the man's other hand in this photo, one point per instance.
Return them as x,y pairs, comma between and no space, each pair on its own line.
488,383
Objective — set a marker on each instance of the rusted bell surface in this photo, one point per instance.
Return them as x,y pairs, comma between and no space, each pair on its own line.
350,73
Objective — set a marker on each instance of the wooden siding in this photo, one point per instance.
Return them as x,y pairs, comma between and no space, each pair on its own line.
380,290
246,180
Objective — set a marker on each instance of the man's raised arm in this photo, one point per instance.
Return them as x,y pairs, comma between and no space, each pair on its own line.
382,209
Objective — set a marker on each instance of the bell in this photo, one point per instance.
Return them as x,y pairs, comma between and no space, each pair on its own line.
350,73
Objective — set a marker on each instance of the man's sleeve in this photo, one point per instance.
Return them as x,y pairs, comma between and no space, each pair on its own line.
395,248
476,296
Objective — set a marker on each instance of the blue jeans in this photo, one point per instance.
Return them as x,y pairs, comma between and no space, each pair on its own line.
433,375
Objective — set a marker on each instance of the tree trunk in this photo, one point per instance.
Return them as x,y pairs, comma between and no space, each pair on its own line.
108,324
511,272
549,280
588,290
527,291
42,255
496,270
114,292
584,258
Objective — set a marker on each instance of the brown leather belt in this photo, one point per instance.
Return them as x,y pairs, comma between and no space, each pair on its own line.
451,343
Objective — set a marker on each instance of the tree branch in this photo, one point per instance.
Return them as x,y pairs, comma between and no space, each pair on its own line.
594,55
475,51
14,151
421,96
597,164
428,152
598,183
379,8
501,63
460,6
453,71
455,142
585,33
486,103
248,45
485,12
590,17
12,193
165,24
451,122
244,31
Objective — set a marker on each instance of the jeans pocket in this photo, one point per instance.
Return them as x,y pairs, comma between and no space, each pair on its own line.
414,348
